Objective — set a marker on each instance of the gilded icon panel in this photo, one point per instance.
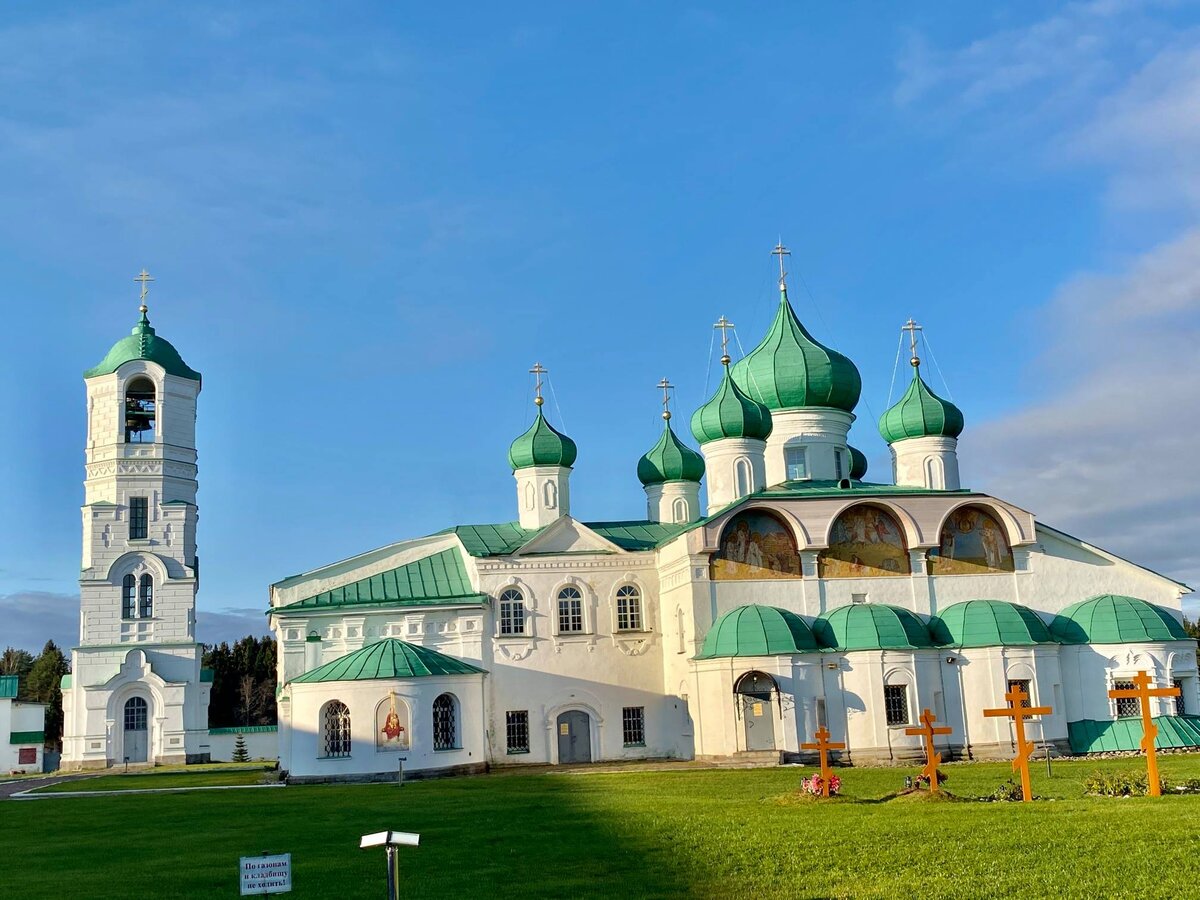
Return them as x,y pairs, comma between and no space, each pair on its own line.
866,542
755,545
972,542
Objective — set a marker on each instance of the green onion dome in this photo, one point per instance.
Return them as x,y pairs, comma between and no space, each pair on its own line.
143,343
730,414
670,460
790,369
989,623
542,445
920,413
858,463
1115,619
872,626
757,631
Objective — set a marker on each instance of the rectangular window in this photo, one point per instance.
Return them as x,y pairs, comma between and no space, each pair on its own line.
796,461
570,612
837,465
516,726
512,613
629,609
633,726
1180,707
895,703
1127,707
1023,684
139,518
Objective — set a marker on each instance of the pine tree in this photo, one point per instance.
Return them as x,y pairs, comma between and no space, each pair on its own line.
240,753
17,662
45,686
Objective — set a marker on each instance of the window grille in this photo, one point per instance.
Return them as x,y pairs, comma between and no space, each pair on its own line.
135,714
146,597
1180,706
128,603
336,728
1023,684
1127,707
517,729
895,703
633,726
796,461
512,612
445,732
570,611
629,608
138,518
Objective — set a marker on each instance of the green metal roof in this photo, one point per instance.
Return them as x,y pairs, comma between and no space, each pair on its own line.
871,626
64,683
542,445
920,413
434,580
756,630
1095,736
505,538
1115,619
8,686
858,463
143,343
670,460
27,737
389,658
988,623
730,414
792,369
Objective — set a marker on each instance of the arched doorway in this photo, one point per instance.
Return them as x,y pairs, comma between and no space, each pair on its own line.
574,737
136,743
756,692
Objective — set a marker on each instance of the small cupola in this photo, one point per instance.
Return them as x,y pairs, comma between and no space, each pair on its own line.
922,430
541,461
732,430
670,472
143,343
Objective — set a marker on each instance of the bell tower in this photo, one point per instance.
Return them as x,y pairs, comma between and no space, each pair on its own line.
136,691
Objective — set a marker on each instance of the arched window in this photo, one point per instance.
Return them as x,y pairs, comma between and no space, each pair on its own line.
972,542
551,495
139,411
679,511
865,542
335,726
512,612
128,601
445,724
629,608
935,473
742,476
570,611
135,714
755,545
530,495
146,597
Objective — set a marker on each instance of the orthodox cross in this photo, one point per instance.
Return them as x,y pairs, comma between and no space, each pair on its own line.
823,745
666,401
1143,692
912,328
781,251
537,372
1019,712
145,278
932,757
725,325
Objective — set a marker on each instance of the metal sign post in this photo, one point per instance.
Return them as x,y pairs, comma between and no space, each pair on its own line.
391,841
400,770
267,873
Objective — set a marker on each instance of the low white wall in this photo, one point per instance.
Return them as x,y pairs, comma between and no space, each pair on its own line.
260,743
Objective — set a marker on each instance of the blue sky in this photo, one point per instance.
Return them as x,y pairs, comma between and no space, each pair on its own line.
367,221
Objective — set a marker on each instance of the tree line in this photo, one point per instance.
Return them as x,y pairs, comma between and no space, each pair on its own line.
39,680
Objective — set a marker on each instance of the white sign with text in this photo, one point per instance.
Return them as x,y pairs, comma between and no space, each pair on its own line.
266,874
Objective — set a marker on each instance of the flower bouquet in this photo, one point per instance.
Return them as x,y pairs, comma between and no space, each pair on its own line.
815,785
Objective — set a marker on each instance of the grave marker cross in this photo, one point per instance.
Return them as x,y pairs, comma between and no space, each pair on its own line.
1019,712
823,745
1143,692
932,757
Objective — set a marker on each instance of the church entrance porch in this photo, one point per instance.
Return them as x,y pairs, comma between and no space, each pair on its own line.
135,743
574,737
755,692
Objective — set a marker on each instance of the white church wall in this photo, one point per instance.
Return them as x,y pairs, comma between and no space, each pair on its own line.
1089,671
262,742
858,695
20,716
821,431
984,673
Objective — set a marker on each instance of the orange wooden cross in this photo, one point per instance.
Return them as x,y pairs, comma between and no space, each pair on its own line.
823,746
932,757
1019,712
1143,692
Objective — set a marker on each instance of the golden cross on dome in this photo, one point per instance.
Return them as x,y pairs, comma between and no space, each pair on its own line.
537,372
781,251
725,325
912,328
145,278
666,387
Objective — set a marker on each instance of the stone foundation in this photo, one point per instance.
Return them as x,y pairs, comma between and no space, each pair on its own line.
387,777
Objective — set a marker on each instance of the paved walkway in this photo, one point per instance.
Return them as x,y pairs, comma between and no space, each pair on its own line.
8,788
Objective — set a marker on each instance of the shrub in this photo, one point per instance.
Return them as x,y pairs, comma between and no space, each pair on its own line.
1009,792
1117,784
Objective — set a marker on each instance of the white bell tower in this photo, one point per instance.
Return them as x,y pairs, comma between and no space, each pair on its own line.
137,692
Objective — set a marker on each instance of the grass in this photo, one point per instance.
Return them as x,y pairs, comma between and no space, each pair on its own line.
695,833
156,779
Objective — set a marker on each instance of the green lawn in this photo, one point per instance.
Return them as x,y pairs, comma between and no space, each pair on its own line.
704,833
139,781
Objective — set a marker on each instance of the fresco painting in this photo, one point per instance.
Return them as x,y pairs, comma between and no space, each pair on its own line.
391,724
755,545
866,542
972,542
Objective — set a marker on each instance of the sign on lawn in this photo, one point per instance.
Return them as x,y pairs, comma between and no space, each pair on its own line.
266,874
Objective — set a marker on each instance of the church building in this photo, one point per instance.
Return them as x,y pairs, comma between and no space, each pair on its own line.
795,594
